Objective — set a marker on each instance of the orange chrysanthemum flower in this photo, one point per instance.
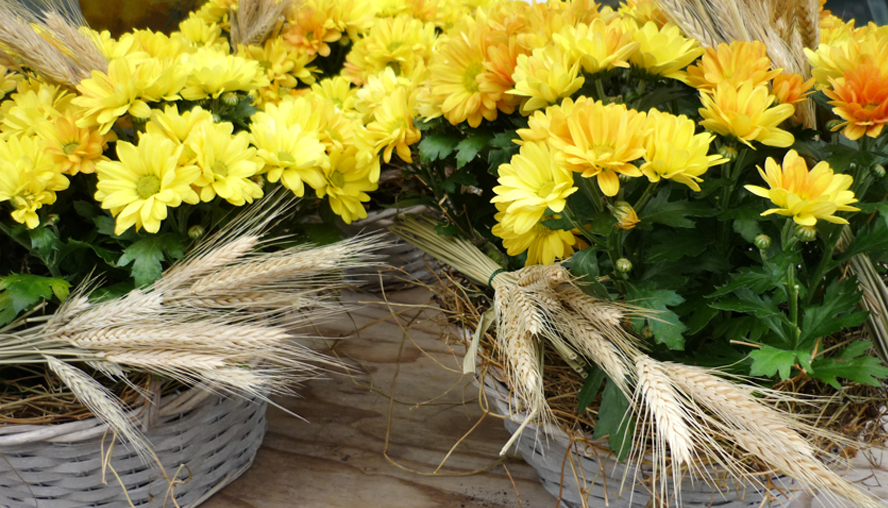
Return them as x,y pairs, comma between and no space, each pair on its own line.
747,113
860,98
790,89
311,30
735,63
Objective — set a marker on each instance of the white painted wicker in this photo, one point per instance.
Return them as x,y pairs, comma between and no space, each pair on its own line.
406,263
204,441
597,477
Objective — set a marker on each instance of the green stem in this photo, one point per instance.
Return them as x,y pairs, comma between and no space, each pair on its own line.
831,243
569,215
645,197
591,193
599,89
789,241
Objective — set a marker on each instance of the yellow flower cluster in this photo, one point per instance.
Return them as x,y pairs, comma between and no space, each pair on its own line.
513,54
735,84
852,70
592,139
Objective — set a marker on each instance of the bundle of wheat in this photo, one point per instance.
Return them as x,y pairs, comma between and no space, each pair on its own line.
690,418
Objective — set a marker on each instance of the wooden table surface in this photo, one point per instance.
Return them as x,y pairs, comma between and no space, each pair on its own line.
337,458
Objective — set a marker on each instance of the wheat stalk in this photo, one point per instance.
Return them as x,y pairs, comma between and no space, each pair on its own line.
101,403
806,469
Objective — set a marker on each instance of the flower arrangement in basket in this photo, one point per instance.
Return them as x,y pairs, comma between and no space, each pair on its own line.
680,204
148,242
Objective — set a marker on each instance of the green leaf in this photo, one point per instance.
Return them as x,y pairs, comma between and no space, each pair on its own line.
437,146
660,210
615,421
662,95
25,290
745,300
7,311
504,139
869,238
590,388
44,241
467,149
665,324
86,209
851,364
835,314
756,278
457,178
700,317
672,246
768,361
323,234
147,256
584,266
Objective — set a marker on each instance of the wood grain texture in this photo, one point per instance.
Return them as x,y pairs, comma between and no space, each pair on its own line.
336,458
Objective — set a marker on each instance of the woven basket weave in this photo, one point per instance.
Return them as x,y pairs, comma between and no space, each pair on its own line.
204,441
545,449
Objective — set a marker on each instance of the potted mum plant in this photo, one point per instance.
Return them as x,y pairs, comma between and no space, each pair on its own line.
696,198
153,265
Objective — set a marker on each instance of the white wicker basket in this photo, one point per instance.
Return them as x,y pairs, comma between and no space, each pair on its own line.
406,264
597,477
204,441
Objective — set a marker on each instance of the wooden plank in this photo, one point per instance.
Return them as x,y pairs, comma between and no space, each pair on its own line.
336,458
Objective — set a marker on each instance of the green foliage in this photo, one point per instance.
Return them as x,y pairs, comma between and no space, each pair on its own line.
24,290
437,146
590,389
769,361
615,421
147,256
665,324
853,364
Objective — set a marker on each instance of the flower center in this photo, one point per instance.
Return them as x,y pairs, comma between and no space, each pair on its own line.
286,157
469,79
147,186
220,169
546,189
337,179
69,148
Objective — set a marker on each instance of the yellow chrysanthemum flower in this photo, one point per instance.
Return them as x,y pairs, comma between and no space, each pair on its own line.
346,185
74,149
392,127
107,97
286,137
736,63
156,44
663,51
216,11
543,245
642,11
674,152
33,102
530,183
378,87
159,79
9,80
551,124
456,66
337,90
145,181
805,196
400,43
746,113
603,141
599,46
29,178
311,28
832,61
283,64
549,74
834,30
198,33
211,72
226,163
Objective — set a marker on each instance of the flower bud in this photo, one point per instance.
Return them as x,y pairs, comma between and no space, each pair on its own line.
728,152
258,180
625,215
624,177
834,125
763,242
52,219
216,118
806,233
229,98
497,256
647,333
878,170
624,265
195,232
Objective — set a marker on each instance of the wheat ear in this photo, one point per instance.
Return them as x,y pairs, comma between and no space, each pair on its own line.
694,22
101,403
586,338
808,22
808,470
254,20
